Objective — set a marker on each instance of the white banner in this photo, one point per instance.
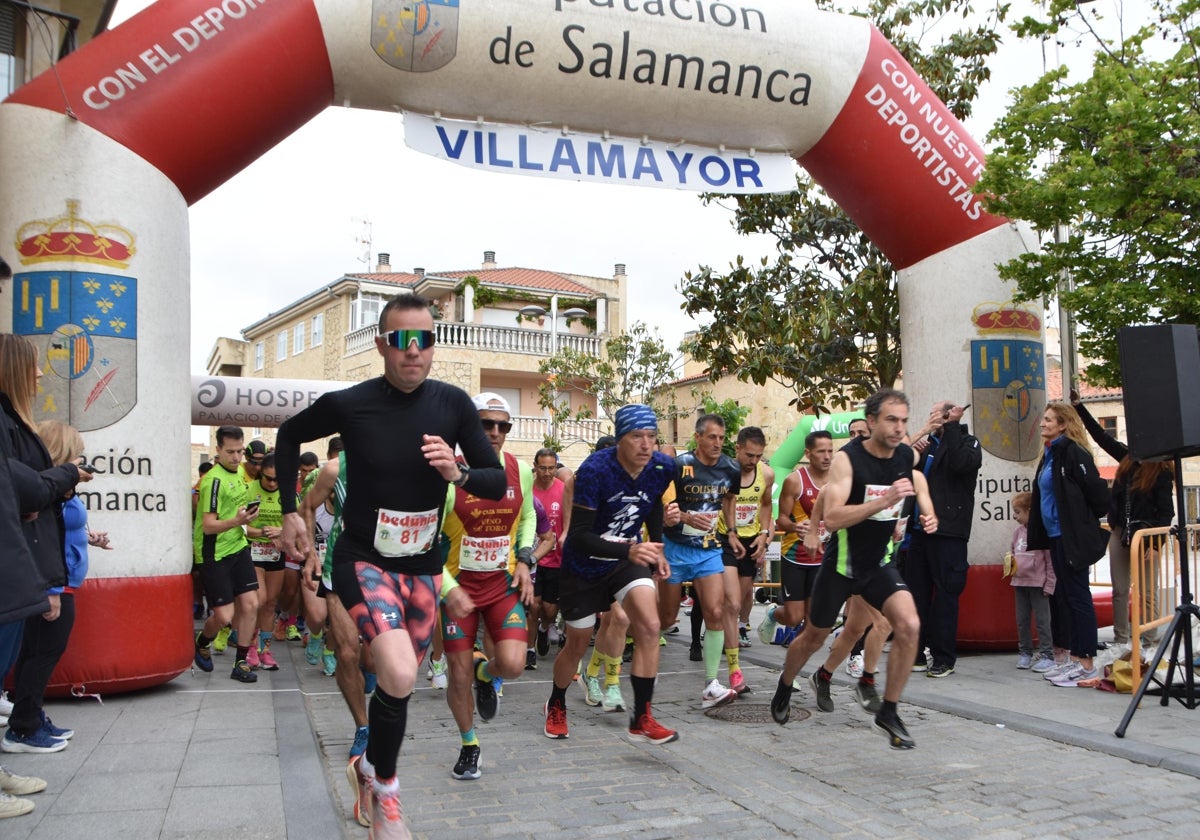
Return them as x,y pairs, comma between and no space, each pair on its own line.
585,157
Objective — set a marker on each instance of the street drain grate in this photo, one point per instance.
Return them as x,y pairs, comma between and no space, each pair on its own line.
753,713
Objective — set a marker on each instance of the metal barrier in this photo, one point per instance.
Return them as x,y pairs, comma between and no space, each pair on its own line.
1154,559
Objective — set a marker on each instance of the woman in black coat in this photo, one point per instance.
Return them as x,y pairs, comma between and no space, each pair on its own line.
1141,498
28,728
1069,496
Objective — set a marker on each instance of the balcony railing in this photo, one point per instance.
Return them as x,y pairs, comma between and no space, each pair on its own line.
487,338
537,428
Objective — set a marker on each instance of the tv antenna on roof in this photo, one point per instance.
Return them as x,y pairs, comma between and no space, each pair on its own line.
363,238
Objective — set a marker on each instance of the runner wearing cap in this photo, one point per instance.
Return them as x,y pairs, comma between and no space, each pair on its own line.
617,491
491,555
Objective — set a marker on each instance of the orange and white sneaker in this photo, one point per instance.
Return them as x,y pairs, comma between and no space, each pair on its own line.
360,784
650,731
716,694
387,817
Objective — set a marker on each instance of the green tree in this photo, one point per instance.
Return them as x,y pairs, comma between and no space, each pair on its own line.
1113,159
635,367
733,413
823,318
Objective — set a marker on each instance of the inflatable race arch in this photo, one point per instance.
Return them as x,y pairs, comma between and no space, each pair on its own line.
101,157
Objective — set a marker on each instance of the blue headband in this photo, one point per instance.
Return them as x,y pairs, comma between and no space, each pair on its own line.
635,416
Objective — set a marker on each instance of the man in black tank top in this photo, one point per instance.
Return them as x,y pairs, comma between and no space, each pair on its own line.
870,484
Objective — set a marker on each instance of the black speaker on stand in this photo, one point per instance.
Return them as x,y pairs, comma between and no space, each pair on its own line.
1160,381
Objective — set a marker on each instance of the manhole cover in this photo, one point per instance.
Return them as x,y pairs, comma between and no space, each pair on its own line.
753,713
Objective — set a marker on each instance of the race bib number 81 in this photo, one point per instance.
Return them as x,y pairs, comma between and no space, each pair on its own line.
403,534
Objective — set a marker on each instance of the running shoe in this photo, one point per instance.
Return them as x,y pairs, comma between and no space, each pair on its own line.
737,682
20,785
387,816
556,721
293,632
1075,676
53,731
1024,662
252,658
531,660
279,634
921,663
673,630
854,665
1058,670
203,658
938,670
766,629
498,686
35,742
593,695
328,662
868,697
627,654
360,786
438,673
612,701
312,649
695,654
1044,664
370,682
781,703
784,635
6,706
361,735
467,766
744,637
12,806
487,700
222,640
266,660
821,687
543,641
715,695
687,602
894,730
242,673
646,729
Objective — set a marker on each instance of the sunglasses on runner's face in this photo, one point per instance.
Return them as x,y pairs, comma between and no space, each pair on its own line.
504,425
403,339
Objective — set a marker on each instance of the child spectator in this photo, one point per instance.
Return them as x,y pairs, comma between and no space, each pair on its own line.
1033,581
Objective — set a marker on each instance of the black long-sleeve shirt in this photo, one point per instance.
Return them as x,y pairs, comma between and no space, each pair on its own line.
383,431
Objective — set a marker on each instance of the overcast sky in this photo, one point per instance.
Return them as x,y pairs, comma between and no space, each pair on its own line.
286,225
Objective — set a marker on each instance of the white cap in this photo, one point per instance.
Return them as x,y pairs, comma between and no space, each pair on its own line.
489,401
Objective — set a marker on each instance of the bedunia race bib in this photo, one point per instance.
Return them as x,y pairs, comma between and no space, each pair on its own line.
484,554
403,534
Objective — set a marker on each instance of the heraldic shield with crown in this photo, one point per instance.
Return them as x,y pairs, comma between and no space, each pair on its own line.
1008,381
83,321
415,35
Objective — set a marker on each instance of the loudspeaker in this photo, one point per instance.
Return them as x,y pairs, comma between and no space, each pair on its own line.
1160,378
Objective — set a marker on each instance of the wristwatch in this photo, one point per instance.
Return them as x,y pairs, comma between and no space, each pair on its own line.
464,471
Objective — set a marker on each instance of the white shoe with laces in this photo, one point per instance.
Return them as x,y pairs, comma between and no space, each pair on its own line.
854,665
716,694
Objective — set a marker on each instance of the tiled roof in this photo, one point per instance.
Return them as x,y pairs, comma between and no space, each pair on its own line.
1054,390
521,278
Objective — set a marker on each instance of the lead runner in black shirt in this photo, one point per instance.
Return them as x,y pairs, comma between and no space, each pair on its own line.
399,431
870,484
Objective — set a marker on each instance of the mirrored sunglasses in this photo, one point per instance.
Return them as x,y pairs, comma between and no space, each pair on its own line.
402,339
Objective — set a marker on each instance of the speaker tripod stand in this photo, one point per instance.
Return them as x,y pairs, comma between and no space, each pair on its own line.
1179,631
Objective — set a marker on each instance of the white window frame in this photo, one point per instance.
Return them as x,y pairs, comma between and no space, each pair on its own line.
281,346
259,355
318,330
357,319
298,339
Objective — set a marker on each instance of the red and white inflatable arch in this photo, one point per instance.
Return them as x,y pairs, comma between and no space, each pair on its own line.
102,156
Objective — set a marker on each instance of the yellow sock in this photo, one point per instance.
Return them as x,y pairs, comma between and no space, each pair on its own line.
732,656
597,662
612,670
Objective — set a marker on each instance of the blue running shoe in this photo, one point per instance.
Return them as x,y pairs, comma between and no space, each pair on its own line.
53,731
360,742
369,682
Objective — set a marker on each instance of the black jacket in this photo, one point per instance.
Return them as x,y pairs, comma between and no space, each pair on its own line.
40,488
952,475
1082,497
1155,509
